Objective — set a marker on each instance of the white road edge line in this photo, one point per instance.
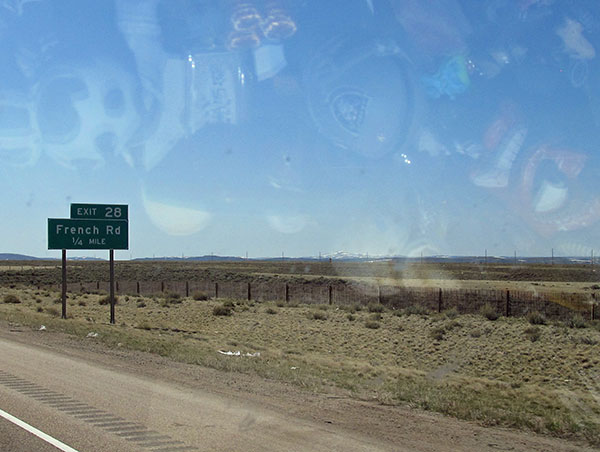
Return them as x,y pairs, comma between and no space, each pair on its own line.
56,443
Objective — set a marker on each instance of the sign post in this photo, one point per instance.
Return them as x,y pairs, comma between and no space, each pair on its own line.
91,226
64,285
112,286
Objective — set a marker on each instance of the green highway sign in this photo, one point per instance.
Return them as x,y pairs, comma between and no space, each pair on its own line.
100,211
85,234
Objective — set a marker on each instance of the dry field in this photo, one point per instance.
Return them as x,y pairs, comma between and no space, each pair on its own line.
570,278
528,374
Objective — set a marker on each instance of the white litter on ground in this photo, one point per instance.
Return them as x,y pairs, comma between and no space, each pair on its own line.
92,334
42,328
238,353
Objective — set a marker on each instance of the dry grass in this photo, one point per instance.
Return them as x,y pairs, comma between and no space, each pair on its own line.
103,301
489,312
372,324
375,307
536,318
533,333
461,365
317,315
11,299
222,310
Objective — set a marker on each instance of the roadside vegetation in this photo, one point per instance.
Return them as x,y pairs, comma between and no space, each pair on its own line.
527,373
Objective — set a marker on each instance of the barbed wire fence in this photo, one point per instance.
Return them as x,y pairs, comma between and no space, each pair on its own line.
509,303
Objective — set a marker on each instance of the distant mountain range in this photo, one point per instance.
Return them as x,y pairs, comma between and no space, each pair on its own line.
17,257
192,258
337,256
23,257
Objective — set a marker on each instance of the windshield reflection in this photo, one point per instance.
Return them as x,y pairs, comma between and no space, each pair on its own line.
393,127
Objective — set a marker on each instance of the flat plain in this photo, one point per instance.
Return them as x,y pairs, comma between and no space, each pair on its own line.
531,373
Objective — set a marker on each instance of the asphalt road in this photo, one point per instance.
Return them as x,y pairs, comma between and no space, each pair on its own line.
15,438
91,407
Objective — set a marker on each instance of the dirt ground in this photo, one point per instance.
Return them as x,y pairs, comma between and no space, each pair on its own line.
507,372
502,372
409,429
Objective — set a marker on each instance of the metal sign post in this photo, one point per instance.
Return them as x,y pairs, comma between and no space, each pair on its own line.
112,286
64,285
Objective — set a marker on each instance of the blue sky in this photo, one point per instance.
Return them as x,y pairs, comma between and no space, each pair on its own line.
381,127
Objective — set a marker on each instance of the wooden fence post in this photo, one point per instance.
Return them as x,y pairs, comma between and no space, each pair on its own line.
287,293
162,286
507,307
97,285
440,300
216,290
249,292
330,294
187,288
137,287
